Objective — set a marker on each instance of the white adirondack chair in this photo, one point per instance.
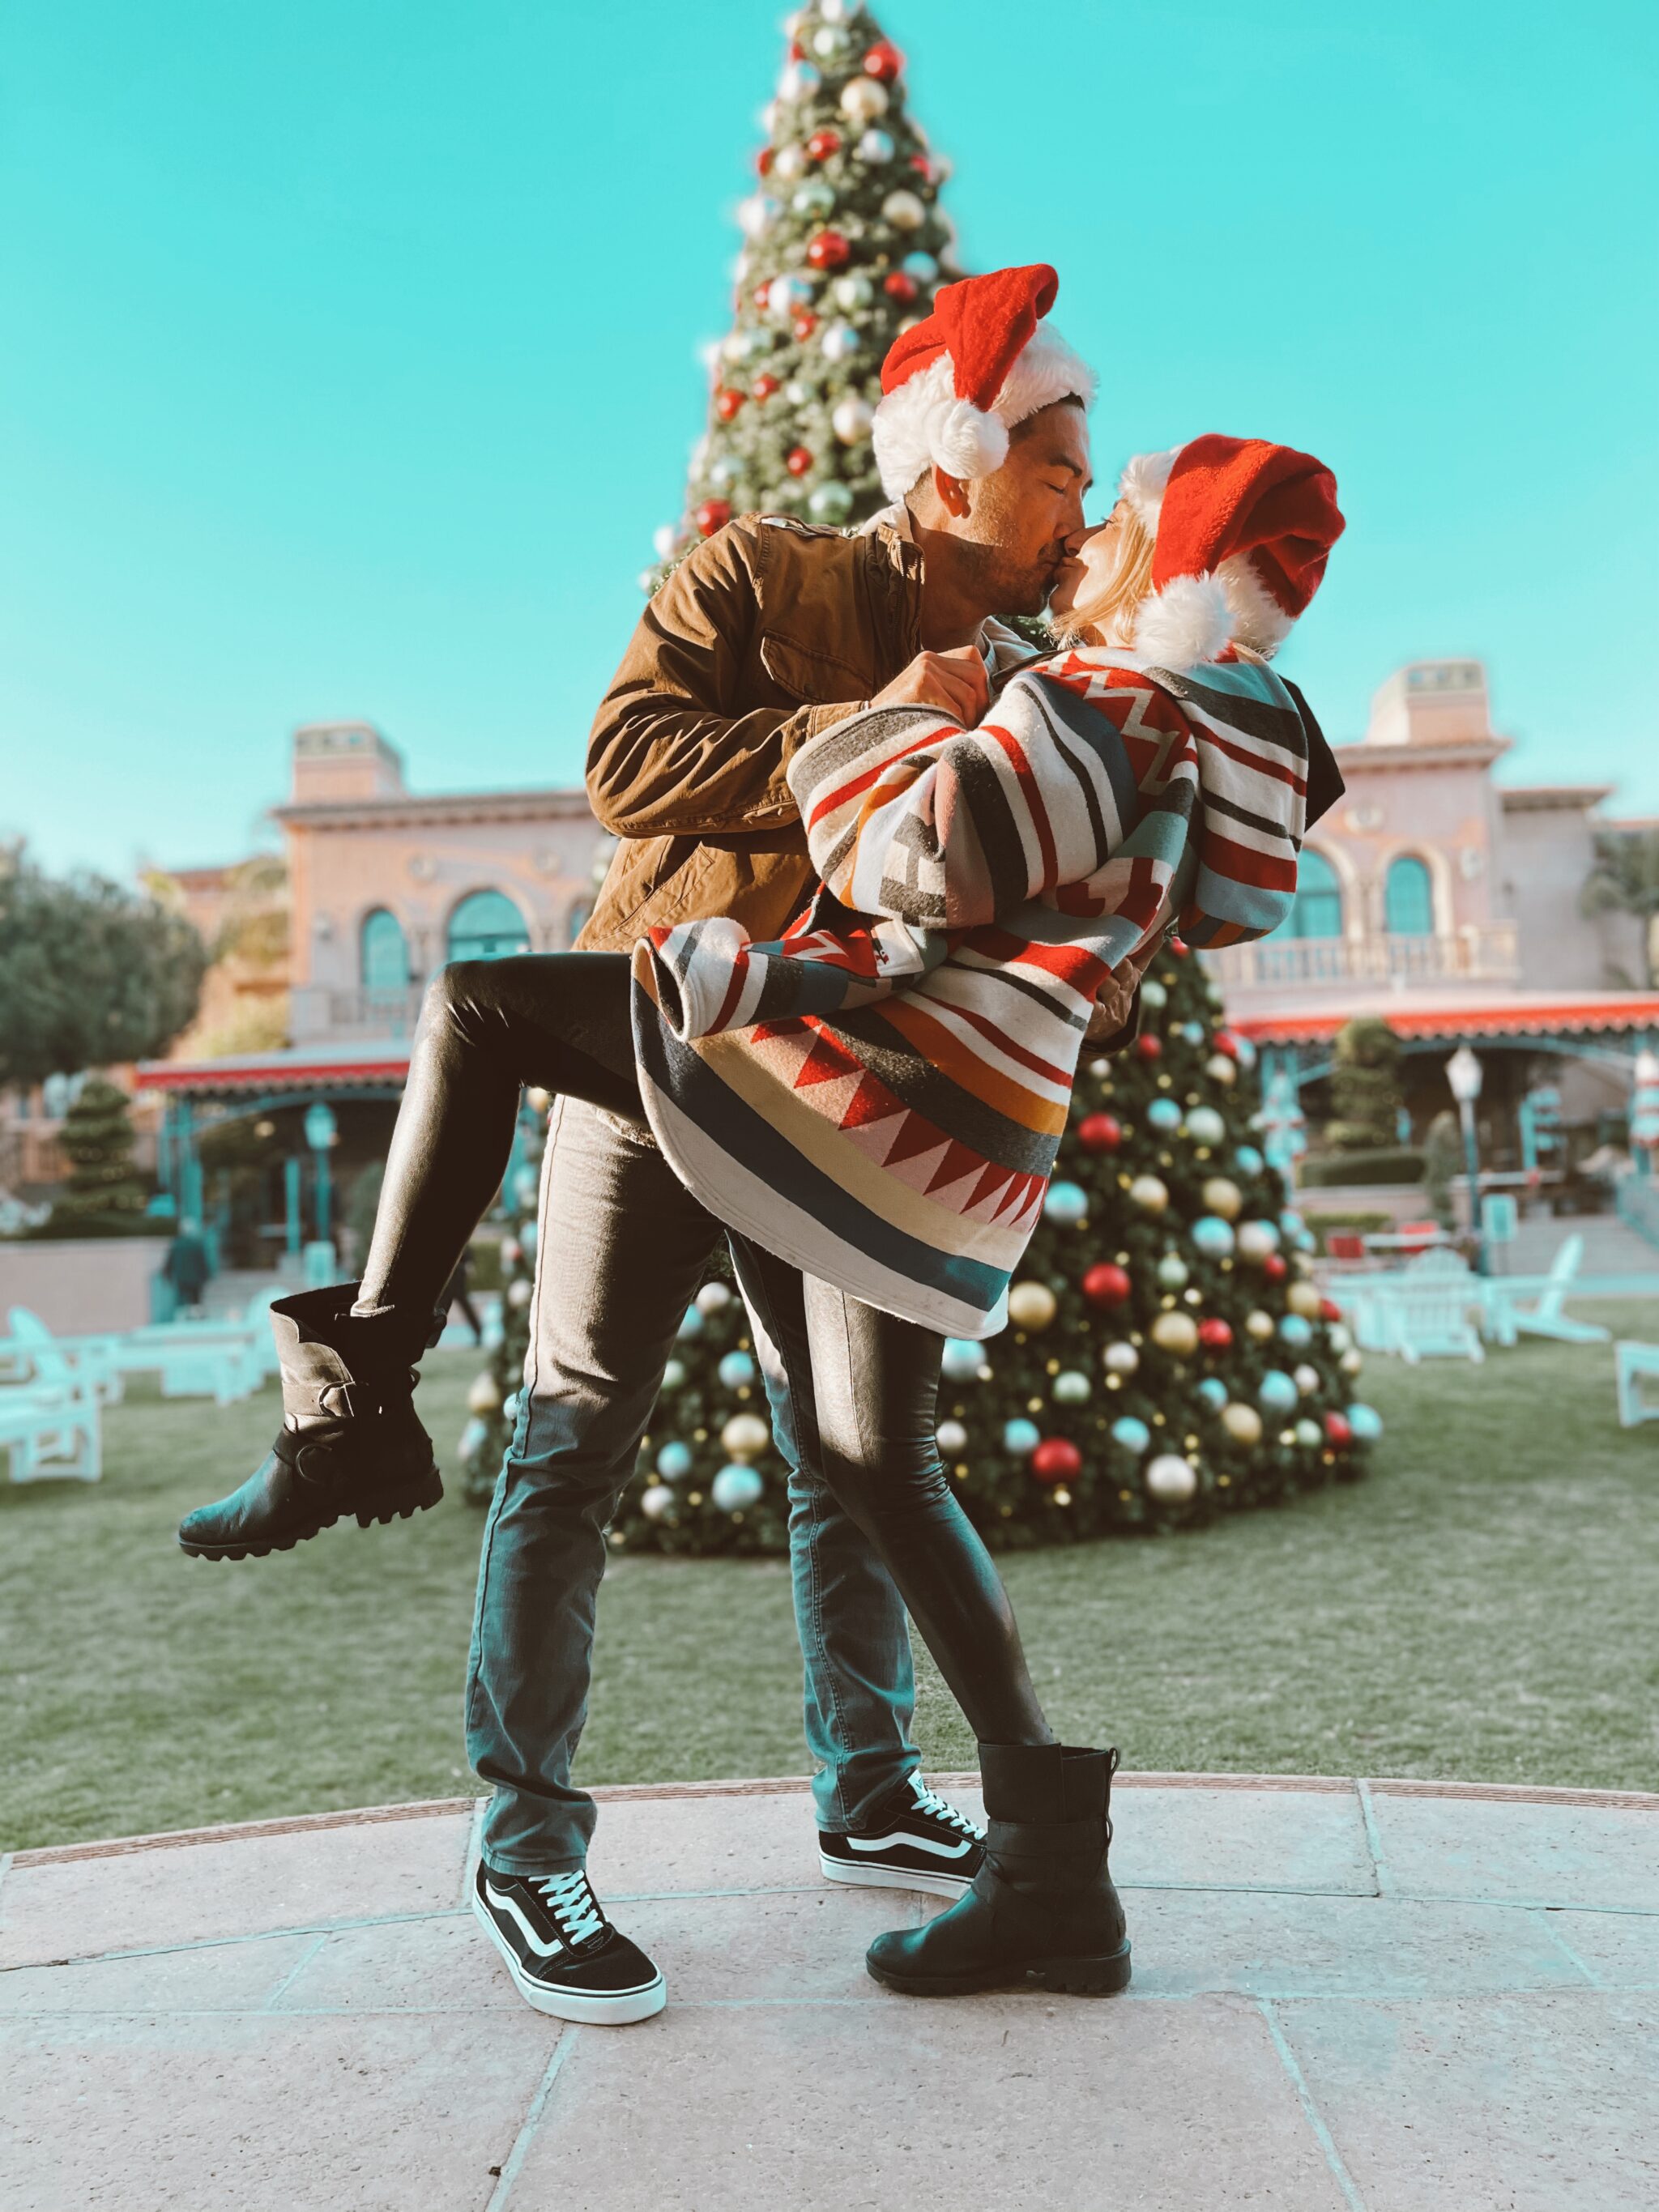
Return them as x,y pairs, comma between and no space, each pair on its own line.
49,1418
1631,1362
1427,1311
1508,1319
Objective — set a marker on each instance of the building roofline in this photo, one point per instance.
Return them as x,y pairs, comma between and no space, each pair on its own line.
1538,797
548,804
1465,752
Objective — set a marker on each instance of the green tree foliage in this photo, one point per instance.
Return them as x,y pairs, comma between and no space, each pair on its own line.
105,1196
844,247
1625,880
1168,1358
1364,1087
90,974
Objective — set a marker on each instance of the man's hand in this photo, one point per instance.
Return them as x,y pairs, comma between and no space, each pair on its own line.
954,682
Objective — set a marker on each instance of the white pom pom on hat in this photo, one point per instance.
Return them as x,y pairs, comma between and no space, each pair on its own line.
957,384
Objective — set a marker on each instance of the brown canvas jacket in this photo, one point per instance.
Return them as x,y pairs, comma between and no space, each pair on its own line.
767,633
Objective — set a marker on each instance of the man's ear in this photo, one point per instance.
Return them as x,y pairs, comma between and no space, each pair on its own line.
951,493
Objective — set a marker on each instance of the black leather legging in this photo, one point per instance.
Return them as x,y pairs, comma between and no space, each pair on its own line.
863,1384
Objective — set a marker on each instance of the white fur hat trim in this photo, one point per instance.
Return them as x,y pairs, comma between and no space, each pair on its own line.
1144,479
1258,621
923,425
1186,623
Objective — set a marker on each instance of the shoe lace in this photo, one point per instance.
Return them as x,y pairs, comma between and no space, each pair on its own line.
571,1904
929,1800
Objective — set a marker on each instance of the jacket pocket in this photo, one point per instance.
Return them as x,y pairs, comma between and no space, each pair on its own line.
811,678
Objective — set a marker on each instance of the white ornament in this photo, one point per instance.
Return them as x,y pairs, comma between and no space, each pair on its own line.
789,163
904,209
755,213
839,11
1121,1359
830,43
851,420
714,1296
1171,1478
744,1435
734,346
656,1501
875,147
784,294
841,341
1306,1378
814,198
952,1438
799,81
797,392
852,292
767,119
664,539
673,1375
519,1292
723,473
862,100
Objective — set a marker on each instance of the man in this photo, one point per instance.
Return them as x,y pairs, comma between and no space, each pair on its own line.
768,632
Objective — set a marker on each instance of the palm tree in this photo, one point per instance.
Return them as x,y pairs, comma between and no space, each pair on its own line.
1625,880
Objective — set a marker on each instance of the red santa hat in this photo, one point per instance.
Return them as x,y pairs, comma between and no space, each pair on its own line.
1244,530
954,385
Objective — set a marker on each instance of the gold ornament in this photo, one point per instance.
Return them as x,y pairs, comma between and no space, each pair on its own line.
1242,1423
744,1435
1221,1069
1176,1332
1259,1325
1223,1196
1303,1298
1032,1305
1148,1193
485,1396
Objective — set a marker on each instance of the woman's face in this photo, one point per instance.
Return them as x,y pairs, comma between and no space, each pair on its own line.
1090,566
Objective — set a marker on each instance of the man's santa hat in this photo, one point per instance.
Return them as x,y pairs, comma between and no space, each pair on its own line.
954,385
1242,529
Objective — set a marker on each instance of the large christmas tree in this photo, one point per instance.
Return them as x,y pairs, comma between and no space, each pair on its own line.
844,247
1168,1358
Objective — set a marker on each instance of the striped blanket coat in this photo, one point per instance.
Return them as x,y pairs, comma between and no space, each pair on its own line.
878,1096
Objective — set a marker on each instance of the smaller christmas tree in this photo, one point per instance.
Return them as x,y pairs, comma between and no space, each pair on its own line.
105,1196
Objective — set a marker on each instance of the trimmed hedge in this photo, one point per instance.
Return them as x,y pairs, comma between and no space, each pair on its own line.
1379,1163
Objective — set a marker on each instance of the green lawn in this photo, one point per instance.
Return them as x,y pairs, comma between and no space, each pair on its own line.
1484,1607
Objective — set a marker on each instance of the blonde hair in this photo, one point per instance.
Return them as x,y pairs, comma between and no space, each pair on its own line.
1108,619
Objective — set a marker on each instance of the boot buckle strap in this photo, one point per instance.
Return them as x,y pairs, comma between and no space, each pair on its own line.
1032,1839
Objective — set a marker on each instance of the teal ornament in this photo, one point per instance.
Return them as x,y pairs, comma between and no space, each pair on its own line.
813,198
1164,1114
1292,1223
473,1434
1172,1272
526,1184
1247,1160
831,502
527,1238
1205,1126
673,1461
963,1359
1021,1438
1213,1237
1195,1032
1309,1434
736,1487
921,266
1296,1330
875,147
690,1326
736,1369
1244,1052
1070,1387
1366,1423
840,343
1277,1392
1153,996
1213,1394
1065,1203
1132,1435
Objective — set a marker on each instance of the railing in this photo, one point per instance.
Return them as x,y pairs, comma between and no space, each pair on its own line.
1483,952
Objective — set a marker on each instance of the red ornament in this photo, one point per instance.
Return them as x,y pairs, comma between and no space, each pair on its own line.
1179,949
1215,1335
761,293
713,514
1274,1267
764,386
763,161
797,51
1227,1041
828,249
897,286
823,143
923,167
1329,1310
1150,1046
804,323
884,61
1100,1133
1056,1460
727,402
1338,1432
1106,1285
797,460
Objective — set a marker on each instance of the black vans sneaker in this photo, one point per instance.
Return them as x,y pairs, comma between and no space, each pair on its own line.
920,1841
564,1956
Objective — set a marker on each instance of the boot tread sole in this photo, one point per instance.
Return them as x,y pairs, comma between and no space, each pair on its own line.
364,1519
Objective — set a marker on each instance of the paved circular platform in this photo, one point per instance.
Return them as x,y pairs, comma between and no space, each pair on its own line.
1349,1996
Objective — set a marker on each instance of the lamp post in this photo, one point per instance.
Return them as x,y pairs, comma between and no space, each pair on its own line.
320,1133
1464,1072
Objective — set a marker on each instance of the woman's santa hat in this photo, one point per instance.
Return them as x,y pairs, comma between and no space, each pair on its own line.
956,383
1243,529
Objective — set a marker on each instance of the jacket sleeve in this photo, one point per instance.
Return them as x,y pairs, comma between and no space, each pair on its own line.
669,755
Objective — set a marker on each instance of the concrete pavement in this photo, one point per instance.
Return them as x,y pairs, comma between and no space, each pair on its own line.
1349,1996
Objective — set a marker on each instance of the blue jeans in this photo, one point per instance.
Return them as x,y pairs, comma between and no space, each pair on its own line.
621,1248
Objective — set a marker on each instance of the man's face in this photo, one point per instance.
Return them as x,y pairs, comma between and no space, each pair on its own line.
1022,518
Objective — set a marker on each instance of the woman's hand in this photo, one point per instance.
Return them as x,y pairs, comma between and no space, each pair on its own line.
953,682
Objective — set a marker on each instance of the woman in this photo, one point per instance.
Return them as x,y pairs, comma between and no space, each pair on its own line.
879,1097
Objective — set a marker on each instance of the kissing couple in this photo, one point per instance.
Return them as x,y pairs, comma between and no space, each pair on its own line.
885,864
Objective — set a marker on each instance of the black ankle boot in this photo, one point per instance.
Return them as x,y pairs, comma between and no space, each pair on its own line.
370,1456
1042,1910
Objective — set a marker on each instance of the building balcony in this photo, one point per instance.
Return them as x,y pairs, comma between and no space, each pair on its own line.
1486,952
319,1014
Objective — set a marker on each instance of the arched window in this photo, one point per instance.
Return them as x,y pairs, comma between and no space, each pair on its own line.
1316,910
487,926
1408,901
383,952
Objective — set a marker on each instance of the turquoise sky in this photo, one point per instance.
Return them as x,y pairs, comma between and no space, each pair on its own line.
348,353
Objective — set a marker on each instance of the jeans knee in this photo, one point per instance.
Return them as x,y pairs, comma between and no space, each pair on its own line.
451,997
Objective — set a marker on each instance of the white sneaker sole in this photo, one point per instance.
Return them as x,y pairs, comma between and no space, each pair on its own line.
616,2011
876,1877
